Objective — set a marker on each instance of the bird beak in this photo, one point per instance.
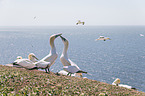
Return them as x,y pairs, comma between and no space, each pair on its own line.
58,35
35,57
63,39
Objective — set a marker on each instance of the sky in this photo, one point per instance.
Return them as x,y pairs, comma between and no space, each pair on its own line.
68,12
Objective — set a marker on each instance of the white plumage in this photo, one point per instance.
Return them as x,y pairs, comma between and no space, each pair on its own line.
117,83
79,22
63,72
42,64
103,38
68,65
49,60
25,63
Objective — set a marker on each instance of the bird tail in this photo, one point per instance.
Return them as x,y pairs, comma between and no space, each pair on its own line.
80,71
134,88
84,72
34,68
14,63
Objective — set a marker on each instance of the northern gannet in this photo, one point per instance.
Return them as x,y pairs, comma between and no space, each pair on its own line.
79,22
49,60
25,63
103,38
117,83
69,66
63,72
141,35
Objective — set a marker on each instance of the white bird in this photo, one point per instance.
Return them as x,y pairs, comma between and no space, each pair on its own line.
141,35
69,66
103,38
79,22
49,60
117,83
63,72
26,63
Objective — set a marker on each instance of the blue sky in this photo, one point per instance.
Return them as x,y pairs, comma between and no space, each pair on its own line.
67,12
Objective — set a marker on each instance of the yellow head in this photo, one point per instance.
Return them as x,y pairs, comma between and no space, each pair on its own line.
117,81
32,57
19,57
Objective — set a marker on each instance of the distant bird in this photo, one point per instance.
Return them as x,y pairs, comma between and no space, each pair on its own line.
25,63
141,35
103,38
35,17
69,66
117,83
49,60
79,22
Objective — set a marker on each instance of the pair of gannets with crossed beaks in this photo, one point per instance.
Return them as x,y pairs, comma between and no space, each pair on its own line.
68,65
24,63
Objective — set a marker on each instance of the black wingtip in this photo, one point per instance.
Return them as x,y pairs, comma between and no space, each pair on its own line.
82,72
14,63
33,68
134,88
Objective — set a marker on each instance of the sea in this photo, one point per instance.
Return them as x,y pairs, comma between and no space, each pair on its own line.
121,57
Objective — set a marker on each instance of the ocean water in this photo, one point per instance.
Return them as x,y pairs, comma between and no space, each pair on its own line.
121,57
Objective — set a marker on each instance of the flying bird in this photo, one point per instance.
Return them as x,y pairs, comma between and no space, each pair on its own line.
34,17
79,22
141,35
103,38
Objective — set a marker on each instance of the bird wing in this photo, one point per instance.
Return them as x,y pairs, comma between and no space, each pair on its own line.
42,64
126,86
65,61
83,23
26,63
50,58
73,64
71,69
63,72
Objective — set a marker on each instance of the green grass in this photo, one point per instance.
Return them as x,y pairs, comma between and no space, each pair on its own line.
22,82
